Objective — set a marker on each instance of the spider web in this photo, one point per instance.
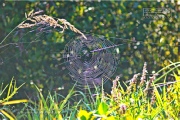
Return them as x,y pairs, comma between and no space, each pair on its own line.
88,62
22,54
78,59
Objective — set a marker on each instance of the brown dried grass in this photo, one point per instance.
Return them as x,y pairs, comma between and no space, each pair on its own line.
36,19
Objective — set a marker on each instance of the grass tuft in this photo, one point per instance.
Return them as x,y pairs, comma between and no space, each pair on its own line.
143,99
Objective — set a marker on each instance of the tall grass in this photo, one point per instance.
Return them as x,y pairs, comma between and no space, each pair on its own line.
5,111
144,98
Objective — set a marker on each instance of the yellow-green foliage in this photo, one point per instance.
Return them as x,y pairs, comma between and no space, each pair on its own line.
139,101
12,90
143,99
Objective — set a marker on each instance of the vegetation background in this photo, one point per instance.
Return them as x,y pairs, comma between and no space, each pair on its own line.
118,21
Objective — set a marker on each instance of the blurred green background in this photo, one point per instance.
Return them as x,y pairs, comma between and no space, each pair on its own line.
120,22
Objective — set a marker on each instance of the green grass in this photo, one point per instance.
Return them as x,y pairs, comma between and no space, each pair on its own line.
142,100
5,102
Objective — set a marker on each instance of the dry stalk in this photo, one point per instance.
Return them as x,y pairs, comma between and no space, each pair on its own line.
133,82
143,77
149,83
47,20
153,98
114,87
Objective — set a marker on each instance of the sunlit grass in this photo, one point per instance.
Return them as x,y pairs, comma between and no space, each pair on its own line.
144,98
5,112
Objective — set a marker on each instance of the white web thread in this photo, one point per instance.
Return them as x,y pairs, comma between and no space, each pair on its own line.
39,34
